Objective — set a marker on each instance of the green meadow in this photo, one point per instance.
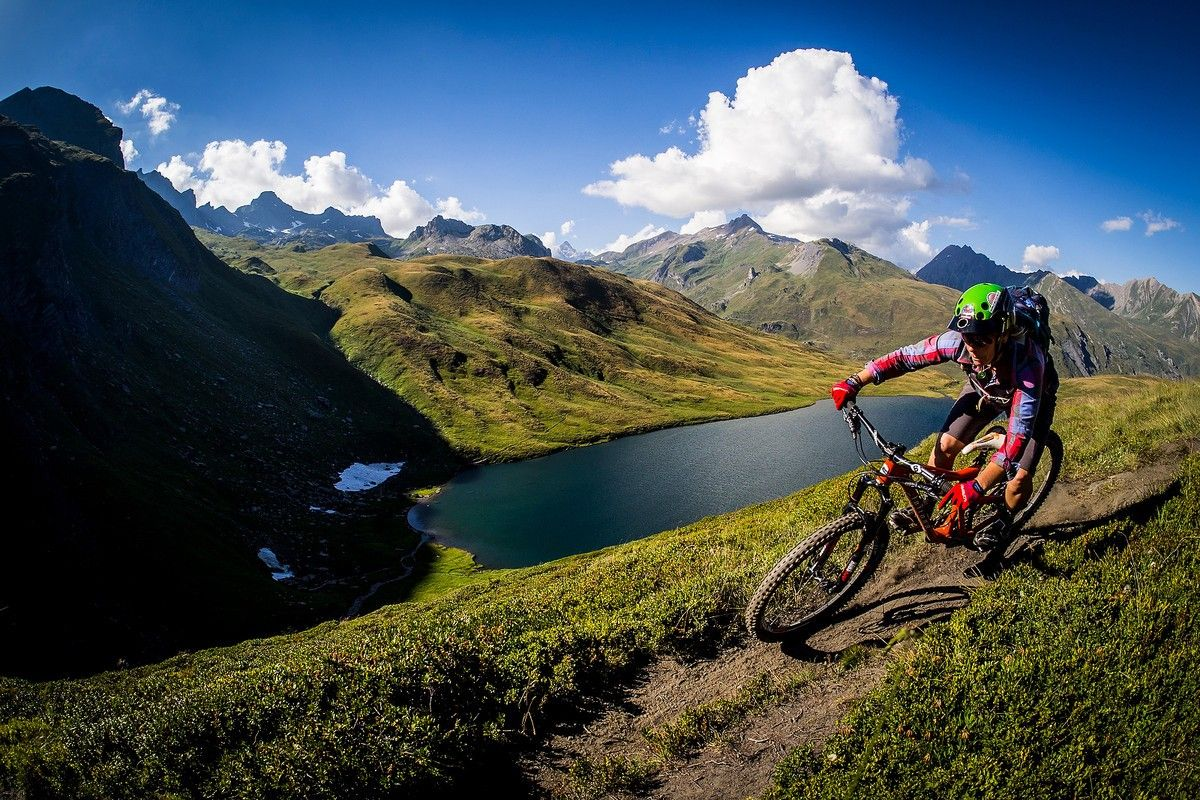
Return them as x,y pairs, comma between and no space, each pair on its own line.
1059,680
516,358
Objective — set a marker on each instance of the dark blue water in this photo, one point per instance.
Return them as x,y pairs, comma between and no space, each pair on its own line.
513,515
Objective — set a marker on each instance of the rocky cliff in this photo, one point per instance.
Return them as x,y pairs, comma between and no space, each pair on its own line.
64,117
441,235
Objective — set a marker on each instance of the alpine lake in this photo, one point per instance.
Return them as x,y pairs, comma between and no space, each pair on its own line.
587,498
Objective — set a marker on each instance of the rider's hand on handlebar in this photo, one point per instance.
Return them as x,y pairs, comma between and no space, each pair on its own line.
843,392
963,495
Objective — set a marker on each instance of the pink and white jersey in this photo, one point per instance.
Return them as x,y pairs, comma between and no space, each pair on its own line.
1019,369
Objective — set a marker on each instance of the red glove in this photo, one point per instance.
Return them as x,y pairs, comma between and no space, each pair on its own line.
963,495
843,392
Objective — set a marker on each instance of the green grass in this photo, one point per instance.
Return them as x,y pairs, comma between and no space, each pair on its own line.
520,357
437,569
702,724
611,776
410,699
1080,683
1072,676
1113,422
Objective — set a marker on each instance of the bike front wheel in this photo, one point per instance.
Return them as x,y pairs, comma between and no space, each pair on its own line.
815,577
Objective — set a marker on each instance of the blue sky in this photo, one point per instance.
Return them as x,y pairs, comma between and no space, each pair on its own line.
1000,129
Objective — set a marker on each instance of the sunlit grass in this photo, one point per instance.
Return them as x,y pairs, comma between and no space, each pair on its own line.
1088,664
519,357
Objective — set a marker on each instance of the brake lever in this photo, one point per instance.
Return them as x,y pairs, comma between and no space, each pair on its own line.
849,413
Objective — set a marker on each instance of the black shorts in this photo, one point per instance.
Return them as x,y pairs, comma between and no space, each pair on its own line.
968,417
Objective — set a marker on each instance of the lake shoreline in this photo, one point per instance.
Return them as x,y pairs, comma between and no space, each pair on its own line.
737,485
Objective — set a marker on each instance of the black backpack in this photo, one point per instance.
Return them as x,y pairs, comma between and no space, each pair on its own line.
1033,314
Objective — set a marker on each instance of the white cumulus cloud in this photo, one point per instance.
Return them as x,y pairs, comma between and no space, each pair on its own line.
158,111
914,237
452,208
400,208
231,173
626,239
128,151
1157,223
704,219
1037,256
806,144
550,239
567,227
1116,224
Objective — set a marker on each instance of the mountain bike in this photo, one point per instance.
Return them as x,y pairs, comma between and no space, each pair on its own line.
829,566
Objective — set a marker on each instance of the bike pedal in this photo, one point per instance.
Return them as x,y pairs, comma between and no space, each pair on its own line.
904,521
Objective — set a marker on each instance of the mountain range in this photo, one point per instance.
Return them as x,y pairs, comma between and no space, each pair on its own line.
827,293
441,235
269,220
843,299
168,417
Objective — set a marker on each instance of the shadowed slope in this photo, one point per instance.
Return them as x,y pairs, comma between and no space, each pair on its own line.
166,416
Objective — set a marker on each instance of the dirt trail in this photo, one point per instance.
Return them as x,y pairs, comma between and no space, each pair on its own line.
918,585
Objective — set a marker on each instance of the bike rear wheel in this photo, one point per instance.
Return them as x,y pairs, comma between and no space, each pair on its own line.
1044,475
815,577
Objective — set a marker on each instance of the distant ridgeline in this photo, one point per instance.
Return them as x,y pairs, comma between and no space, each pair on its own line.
1138,327
269,220
838,297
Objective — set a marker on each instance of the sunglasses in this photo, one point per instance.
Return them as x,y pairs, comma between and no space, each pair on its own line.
975,340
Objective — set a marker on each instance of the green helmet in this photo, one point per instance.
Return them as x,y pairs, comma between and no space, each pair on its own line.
983,309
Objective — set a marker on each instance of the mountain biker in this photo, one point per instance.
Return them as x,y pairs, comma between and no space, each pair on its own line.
1006,367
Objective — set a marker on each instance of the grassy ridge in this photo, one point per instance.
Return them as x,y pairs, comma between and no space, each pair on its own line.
411,698
518,357
1083,684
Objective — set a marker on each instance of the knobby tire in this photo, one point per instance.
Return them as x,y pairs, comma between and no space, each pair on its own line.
1044,478
790,598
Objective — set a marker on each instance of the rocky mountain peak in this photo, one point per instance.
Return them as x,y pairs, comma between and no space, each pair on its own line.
839,245
959,267
441,235
66,118
268,200
744,221
440,226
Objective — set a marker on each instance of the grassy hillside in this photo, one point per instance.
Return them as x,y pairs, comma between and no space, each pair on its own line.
517,357
1074,676
421,698
831,294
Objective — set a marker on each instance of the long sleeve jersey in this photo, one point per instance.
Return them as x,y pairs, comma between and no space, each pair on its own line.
1020,369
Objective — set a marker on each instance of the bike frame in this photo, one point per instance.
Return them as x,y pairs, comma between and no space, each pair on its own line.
922,485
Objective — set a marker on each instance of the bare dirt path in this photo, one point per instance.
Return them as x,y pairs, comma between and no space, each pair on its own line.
918,585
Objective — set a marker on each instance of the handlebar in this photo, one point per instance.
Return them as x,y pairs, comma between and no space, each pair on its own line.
857,420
